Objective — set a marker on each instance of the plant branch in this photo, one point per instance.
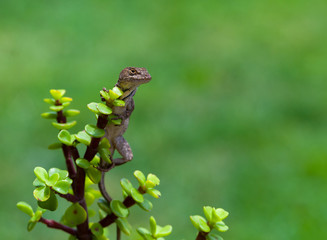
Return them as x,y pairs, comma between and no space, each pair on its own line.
69,161
92,149
201,236
110,218
57,225
69,197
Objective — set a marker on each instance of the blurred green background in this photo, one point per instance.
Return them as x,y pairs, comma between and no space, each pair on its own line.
235,116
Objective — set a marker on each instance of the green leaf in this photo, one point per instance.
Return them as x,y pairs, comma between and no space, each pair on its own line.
116,121
50,204
66,99
49,115
200,223
221,226
94,174
104,143
145,233
138,197
65,137
83,163
38,183
71,113
140,177
57,93
53,179
56,108
124,226
119,209
74,215
105,95
118,103
65,104
163,231
154,192
89,198
212,236
54,146
115,93
30,225
220,214
49,101
62,186
104,109
63,174
105,154
126,185
41,174
42,193
66,126
83,137
95,161
153,225
103,204
96,229
146,205
94,131
26,208
153,179
93,107
208,213
37,215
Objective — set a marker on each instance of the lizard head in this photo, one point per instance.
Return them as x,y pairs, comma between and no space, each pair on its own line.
132,77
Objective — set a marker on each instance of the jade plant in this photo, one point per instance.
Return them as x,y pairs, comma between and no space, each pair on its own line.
77,184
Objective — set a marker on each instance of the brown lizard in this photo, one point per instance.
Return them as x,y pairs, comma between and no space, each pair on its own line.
129,80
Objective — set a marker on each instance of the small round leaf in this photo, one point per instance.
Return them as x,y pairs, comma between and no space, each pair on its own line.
104,109
41,174
83,137
83,163
49,115
57,93
50,204
154,192
54,146
97,229
124,226
146,205
62,186
56,108
153,225
74,215
140,177
94,131
200,223
66,126
118,103
119,209
42,193
71,113
138,197
93,107
94,174
65,137
26,208
126,185
163,231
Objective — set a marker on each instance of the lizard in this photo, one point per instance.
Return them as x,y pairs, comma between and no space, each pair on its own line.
129,80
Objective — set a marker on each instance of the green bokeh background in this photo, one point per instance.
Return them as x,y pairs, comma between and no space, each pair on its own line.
235,116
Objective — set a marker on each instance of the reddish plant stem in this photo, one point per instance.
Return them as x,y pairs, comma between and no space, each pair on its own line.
93,148
201,236
110,218
69,161
68,197
57,225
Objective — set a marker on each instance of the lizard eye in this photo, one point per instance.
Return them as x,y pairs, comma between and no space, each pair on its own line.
132,71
